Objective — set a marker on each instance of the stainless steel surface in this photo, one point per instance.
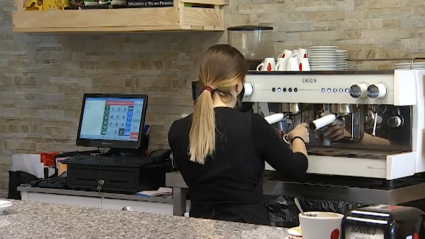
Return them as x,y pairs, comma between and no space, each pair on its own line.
342,109
95,194
291,108
297,203
179,200
316,191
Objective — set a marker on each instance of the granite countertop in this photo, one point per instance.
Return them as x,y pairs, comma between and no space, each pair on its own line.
44,220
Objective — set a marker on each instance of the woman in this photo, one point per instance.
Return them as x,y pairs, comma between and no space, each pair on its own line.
221,152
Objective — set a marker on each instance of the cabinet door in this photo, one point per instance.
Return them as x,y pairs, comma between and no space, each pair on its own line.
139,206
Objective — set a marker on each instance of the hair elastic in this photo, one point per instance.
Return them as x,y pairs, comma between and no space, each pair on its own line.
208,88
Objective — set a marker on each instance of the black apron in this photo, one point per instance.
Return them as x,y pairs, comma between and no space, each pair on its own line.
245,212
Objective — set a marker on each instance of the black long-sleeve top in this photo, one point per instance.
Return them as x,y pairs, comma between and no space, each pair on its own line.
234,174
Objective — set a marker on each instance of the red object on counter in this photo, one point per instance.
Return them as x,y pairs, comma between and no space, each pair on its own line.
48,158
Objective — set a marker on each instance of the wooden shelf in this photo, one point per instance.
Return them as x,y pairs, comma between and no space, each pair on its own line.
177,18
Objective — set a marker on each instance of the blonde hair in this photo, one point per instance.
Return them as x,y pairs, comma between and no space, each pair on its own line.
222,68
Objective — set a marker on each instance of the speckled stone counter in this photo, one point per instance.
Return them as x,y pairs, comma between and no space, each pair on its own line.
41,220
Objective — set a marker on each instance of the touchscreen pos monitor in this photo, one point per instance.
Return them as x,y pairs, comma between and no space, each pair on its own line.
112,120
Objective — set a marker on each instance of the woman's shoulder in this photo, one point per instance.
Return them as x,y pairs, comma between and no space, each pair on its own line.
180,125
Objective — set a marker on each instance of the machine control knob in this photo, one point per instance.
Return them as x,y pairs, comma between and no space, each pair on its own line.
395,121
358,90
377,91
249,89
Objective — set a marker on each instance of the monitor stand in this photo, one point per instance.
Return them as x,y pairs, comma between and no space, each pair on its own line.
139,152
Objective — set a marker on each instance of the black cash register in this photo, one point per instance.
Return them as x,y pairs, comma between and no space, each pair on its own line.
116,122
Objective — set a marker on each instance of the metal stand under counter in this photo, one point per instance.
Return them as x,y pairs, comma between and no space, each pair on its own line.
114,201
365,192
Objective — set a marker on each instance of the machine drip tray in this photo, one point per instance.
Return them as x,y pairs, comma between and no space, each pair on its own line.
346,181
352,153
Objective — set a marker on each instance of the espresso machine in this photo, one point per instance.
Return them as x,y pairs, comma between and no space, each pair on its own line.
379,116
379,158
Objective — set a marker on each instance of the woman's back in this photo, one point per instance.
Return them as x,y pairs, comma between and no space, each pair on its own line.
229,186
233,173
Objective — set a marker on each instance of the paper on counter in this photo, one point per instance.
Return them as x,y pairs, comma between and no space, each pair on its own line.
160,192
29,163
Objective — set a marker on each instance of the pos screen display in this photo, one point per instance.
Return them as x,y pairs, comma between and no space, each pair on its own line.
112,120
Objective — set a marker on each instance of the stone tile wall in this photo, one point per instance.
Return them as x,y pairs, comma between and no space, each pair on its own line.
43,76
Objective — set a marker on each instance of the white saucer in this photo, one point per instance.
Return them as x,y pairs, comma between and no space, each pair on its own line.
323,47
295,233
323,62
322,56
321,52
324,69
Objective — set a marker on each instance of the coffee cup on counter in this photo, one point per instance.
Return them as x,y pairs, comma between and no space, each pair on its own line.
268,64
320,225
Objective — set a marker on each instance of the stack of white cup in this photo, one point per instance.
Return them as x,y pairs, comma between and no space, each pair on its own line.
293,61
287,61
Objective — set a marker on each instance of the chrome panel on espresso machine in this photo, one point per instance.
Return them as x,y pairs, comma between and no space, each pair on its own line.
379,118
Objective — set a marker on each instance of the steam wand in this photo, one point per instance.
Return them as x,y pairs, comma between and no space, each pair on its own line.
314,125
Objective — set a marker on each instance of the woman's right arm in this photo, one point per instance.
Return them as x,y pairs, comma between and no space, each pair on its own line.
293,163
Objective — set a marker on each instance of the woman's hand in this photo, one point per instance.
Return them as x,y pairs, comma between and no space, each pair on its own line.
301,131
335,133
281,133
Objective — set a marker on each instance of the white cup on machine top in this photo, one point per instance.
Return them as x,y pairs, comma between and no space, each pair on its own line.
268,64
304,64
320,225
285,54
281,64
292,64
302,53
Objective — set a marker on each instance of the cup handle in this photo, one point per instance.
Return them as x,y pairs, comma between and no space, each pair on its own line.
301,66
259,67
277,66
294,55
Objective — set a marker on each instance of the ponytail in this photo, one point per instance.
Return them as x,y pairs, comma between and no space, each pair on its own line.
222,67
202,131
